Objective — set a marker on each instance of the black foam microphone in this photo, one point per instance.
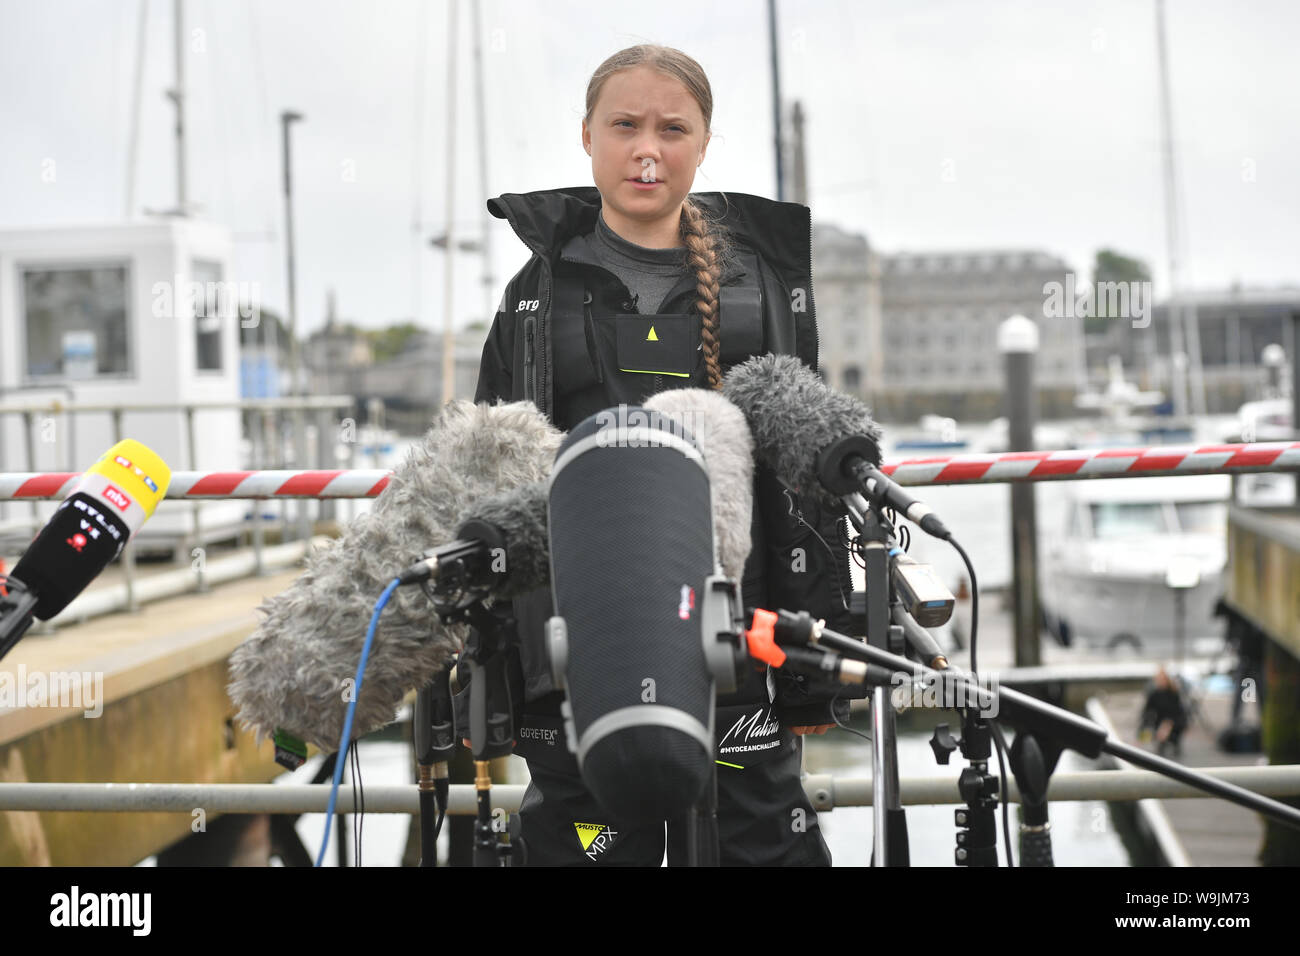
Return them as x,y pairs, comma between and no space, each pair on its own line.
815,438
501,549
296,671
632,560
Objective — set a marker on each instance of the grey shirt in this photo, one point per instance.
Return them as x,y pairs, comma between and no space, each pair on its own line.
648,273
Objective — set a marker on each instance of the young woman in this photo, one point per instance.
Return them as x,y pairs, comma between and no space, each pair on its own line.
726,276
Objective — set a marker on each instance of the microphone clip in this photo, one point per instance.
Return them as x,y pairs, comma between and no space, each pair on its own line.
17,607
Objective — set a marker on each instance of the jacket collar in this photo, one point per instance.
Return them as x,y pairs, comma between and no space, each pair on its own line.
779,232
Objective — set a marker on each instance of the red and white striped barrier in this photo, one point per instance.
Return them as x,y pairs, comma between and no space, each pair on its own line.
1095,463
926,470
193,485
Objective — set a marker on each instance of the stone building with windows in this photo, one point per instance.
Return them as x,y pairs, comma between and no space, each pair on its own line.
916,333
846,288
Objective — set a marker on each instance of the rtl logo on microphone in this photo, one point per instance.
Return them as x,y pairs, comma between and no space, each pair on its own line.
687,603
117,497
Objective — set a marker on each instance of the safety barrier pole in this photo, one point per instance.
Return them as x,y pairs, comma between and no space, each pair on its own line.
1071,465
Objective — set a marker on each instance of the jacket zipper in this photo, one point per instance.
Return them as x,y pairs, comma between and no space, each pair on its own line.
817,344
530,369
541,400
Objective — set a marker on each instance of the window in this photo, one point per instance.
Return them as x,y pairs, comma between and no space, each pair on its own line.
1202,517
75,319
1124,519
209,310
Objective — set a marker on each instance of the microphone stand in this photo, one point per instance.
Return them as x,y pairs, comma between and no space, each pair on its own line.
491,724
874,543
1032,765
17,605
435,743
977,825
1036,717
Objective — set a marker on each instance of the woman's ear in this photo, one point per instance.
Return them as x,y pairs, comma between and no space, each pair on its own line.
586,138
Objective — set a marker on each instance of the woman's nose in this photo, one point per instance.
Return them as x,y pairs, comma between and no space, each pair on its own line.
647,148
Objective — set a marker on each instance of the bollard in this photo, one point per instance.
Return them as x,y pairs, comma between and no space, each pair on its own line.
1018,343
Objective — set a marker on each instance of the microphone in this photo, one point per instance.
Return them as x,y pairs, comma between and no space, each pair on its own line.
88,530
296,671
883,490
722,435
638,601
502,546
815,438
500,549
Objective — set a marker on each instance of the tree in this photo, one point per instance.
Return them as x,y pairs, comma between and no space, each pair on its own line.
391,342
1111,266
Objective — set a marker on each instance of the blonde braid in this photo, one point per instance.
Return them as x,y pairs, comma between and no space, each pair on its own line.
704,254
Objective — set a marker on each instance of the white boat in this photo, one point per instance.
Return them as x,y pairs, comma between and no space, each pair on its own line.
1268,419
1130,551
931,433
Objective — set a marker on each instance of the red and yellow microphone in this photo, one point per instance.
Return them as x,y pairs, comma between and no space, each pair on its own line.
88,530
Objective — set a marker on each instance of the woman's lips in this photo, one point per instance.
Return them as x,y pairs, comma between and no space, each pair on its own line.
642,184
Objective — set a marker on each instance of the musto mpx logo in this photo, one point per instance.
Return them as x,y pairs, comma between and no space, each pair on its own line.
595,838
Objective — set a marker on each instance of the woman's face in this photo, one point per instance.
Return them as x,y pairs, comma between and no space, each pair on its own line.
646,138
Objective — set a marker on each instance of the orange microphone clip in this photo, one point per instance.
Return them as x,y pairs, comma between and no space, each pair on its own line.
761,638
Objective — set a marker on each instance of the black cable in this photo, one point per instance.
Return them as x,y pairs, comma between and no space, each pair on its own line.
974,603
358,800
350,756
793,512
849,543
843,726
361,819
1004,790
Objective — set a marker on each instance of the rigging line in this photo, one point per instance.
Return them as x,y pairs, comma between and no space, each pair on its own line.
220,120
417,170
137,92
264,121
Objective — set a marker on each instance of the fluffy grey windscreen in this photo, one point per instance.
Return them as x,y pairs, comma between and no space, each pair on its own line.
296,671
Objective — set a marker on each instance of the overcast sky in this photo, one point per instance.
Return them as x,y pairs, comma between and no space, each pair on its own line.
931,125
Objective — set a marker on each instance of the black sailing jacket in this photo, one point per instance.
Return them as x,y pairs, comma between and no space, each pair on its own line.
772,240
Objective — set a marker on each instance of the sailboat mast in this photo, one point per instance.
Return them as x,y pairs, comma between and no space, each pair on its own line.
1182,319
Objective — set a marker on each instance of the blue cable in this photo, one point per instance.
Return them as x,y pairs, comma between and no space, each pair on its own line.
352,709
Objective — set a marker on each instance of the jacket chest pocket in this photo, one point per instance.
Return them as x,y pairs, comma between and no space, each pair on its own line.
652,344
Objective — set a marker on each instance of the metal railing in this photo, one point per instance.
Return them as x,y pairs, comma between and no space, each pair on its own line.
825,792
